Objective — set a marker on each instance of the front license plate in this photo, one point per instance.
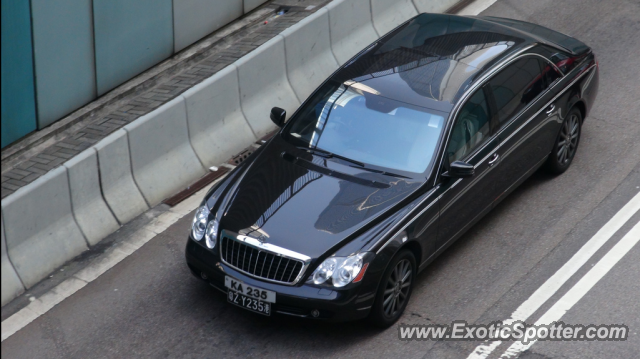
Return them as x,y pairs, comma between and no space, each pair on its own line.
249,297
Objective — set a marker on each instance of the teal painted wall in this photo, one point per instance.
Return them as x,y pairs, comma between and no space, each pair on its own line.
18,98
130,37
63,53
57,56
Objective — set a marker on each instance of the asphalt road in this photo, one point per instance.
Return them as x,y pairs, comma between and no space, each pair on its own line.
149,305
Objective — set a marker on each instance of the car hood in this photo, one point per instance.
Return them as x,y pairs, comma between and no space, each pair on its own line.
285,204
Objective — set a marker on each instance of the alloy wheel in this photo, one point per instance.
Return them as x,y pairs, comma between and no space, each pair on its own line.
397,288
568,140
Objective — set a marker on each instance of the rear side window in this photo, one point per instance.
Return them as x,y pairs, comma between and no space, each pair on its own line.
516,86
549,73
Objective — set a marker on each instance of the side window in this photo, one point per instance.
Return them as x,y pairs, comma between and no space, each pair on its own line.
472,127
516,86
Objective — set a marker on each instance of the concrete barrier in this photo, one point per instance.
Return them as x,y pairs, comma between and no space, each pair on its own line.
307,47
162,159
389,14
11,284
217,127
118,187
89,209
434,5
351,27
263,82
40,230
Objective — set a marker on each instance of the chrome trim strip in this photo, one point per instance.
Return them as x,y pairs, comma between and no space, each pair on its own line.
550,63
211,284
526,136
588,82
266,247
252,242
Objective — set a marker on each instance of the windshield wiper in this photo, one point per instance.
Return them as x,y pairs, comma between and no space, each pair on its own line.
384,172
327,154
329,172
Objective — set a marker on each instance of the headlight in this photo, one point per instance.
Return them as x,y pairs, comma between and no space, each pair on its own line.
341,270
211,235
325,270
200,223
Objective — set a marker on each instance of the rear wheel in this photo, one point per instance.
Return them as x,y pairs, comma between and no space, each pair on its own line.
394,290
566,145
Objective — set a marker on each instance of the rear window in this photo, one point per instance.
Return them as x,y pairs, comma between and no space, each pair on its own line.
571,44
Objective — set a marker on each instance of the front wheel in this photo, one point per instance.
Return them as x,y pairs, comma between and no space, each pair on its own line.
394,290
566,145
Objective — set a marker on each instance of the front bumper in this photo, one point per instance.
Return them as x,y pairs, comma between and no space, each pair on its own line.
352,302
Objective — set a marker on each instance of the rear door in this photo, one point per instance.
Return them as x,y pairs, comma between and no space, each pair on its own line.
522,125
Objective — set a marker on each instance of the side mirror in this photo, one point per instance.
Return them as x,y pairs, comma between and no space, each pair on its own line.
459,169
278,115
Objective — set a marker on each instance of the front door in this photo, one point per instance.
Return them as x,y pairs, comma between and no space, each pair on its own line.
466,200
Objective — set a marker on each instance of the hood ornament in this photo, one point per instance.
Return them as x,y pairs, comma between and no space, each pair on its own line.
256,233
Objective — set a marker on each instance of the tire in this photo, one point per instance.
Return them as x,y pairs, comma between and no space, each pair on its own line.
384,312
563,152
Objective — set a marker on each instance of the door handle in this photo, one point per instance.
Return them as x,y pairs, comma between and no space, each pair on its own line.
494,159
550,109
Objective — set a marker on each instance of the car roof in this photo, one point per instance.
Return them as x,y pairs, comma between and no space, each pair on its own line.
432,59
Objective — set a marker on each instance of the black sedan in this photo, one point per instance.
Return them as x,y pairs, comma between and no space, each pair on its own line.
388,162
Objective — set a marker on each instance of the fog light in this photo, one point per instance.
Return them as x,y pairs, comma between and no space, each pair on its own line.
315,313
203,276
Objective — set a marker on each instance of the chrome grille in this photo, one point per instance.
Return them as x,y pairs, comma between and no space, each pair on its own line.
260,263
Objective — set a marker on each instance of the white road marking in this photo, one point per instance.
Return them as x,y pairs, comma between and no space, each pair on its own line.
101,264
581,288
551,286
476,7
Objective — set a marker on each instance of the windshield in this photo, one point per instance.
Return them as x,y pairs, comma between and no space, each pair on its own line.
353,121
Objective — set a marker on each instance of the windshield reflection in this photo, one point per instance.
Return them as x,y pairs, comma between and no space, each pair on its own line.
357,124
